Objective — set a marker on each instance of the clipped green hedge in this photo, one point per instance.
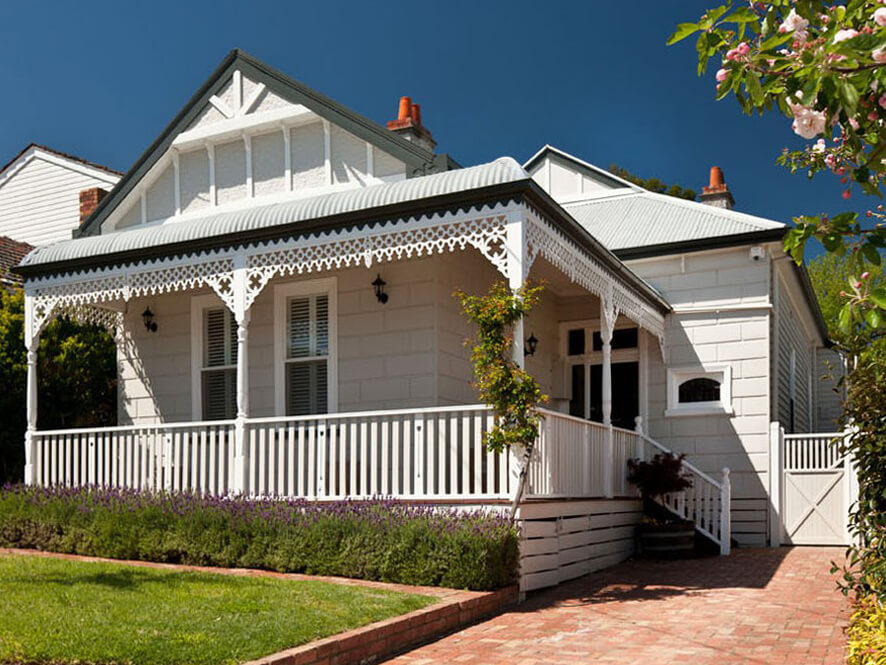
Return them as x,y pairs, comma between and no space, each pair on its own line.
866,634
372,540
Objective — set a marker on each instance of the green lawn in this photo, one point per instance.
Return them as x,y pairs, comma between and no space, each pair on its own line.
66,611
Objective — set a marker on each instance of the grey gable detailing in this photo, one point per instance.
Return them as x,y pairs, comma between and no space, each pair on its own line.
418,160
253,219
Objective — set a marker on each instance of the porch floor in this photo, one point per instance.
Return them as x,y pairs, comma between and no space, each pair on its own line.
774,606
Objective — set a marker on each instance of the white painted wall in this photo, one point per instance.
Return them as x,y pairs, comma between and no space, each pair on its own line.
40,196
729,294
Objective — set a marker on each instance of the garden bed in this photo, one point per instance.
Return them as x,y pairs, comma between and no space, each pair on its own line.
371,540
63,611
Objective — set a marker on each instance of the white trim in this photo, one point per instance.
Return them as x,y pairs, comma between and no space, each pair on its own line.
282,292
198,305
717,309
679,375
327,151
253,123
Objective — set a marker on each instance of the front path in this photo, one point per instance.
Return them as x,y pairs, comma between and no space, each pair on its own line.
772,606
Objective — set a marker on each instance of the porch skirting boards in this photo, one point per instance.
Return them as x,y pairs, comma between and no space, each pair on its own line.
561,540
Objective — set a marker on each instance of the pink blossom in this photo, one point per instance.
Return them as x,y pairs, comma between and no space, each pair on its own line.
865,275
880,16
872,116
793,22
808,122
721,75
879,55
819,146
843,35
853,123
830,161
846,194
732,54
743,49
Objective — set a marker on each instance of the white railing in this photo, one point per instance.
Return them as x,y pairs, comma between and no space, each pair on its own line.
435,453
812,452
571,459
173,457
706,503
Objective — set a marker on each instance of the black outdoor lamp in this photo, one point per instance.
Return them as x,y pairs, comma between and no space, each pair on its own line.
148,318
531,345
379,285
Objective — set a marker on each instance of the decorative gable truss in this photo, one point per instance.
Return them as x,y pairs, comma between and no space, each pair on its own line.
249,143
509,235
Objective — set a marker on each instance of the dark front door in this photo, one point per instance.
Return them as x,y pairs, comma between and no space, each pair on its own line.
625,393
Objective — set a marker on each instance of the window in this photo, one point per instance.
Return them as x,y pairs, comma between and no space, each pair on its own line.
699,391
218,370
307,355
305,342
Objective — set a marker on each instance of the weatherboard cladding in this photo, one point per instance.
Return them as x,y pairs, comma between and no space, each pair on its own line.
656,219
501,171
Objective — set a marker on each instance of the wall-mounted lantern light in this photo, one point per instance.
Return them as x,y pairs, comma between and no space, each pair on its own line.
148,318
379,285
531,345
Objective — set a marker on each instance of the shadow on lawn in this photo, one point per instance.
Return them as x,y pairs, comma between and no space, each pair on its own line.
650,580
131,580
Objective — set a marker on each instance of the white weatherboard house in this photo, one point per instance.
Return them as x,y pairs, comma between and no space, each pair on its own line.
279,272
43,193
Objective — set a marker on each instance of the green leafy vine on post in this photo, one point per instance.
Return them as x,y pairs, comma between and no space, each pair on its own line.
509,390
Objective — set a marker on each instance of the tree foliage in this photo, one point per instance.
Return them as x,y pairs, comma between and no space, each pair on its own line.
654,184
823,66
510,391
77,379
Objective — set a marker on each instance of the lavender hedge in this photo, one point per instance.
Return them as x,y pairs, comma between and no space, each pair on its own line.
372,540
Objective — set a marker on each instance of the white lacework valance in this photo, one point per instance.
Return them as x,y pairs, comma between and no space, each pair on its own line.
545,240
482,229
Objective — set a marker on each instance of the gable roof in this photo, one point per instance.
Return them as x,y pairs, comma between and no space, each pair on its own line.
11,252
33,150
660,224
582,166
418,160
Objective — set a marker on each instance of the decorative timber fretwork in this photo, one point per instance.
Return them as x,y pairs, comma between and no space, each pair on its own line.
239,275
542,238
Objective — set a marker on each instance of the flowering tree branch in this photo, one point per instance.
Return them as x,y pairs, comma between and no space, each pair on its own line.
821,65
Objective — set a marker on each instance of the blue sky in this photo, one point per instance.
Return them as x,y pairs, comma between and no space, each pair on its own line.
102,79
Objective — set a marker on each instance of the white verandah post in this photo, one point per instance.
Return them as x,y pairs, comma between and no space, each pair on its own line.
241,316
32,342
607,324
515,246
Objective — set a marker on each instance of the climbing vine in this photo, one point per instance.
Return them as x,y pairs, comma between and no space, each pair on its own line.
509,390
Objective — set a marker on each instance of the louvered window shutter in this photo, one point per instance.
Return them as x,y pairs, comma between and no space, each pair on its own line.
219,380
307,355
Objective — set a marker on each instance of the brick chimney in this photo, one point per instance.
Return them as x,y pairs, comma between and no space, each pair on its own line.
89,200
717,194
408,125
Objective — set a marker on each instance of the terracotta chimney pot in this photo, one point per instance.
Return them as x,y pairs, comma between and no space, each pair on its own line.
405,108
416,114
717,193
716,177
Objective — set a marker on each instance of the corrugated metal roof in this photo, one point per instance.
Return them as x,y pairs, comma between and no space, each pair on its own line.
501,171
641,219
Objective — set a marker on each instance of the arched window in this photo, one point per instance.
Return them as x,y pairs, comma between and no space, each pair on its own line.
699,390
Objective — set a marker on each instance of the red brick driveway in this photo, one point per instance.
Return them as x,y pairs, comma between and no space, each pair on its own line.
756,606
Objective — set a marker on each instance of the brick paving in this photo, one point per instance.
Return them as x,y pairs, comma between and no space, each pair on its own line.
773,606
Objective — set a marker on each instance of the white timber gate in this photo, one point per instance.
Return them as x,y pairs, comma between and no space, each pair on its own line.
814,489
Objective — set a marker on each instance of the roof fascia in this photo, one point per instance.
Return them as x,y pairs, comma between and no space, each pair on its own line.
700,244
417,158
36,152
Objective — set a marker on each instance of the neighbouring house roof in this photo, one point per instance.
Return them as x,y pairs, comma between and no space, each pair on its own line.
418,160
11,253
501,180
660,223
